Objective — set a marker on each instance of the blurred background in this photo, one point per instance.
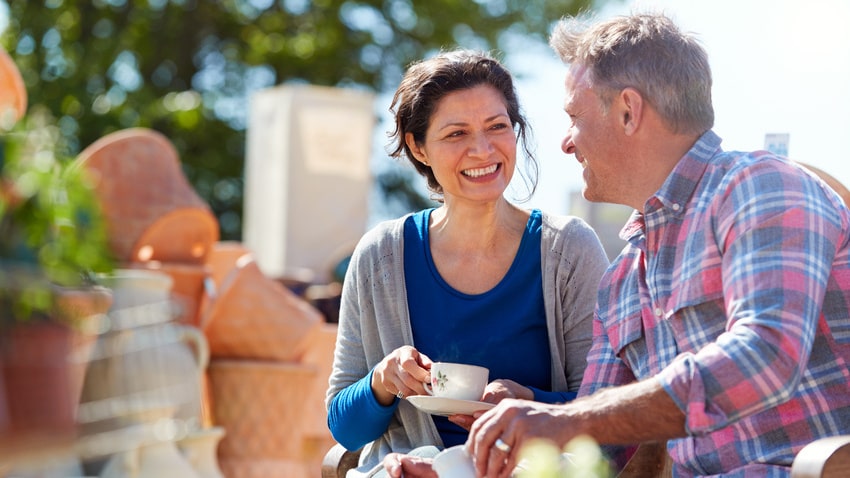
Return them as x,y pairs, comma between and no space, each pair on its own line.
269,118
187,68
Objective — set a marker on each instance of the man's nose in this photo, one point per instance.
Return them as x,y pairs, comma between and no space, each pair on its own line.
567,144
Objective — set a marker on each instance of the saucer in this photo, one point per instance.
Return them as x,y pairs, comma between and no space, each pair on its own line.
447,406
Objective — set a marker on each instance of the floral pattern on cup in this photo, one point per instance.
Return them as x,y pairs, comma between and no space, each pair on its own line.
439,381
457,381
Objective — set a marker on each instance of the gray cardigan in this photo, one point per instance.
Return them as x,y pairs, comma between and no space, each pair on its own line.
374,319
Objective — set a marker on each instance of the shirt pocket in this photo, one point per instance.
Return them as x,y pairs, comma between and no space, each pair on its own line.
696,311
627,339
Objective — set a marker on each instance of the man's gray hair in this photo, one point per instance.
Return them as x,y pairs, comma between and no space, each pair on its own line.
649,53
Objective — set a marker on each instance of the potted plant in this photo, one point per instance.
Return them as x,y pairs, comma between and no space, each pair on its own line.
52,243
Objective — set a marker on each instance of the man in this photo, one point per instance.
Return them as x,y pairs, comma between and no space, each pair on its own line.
723,326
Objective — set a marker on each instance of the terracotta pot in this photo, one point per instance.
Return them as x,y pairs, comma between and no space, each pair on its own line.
151,210
13,92
42,368
222,259
188,287
255,317
317,437
831,181
38,385
235,468
261,405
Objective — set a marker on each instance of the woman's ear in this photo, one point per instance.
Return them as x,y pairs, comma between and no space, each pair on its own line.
631,114
417,151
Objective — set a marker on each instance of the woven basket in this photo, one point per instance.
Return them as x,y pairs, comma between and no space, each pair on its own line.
255,317
261,405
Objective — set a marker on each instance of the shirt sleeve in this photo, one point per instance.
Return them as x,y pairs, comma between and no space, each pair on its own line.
355,417
545,396
778,234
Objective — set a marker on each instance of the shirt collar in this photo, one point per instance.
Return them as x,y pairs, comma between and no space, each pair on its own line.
680,185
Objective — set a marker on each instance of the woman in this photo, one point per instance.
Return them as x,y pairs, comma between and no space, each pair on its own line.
477,280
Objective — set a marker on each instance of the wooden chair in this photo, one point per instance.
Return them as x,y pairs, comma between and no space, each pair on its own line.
338,461
823,458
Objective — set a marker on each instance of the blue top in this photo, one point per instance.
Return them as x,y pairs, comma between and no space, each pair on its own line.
493,329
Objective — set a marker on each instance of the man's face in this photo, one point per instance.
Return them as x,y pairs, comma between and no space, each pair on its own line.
593,137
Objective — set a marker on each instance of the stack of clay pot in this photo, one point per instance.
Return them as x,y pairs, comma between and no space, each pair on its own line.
156,224
270,350
267,386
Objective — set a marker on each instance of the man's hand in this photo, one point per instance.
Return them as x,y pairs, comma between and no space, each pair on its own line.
635,413
498,434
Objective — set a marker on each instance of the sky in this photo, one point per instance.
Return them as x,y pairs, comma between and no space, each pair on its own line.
779,66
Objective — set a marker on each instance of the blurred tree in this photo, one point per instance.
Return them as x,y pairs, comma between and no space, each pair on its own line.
187,67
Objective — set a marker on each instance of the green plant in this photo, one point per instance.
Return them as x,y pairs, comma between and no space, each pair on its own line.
581,458
52,234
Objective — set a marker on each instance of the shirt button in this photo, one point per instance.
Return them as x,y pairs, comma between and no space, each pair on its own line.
676,207
658,312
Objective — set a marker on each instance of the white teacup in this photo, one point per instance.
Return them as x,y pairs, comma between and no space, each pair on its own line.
454,462
457,380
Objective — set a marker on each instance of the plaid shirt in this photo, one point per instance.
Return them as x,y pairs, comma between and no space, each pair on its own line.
733,290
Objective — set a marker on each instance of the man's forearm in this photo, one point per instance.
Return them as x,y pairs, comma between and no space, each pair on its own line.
634,413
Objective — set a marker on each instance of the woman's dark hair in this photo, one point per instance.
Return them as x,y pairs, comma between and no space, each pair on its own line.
426,82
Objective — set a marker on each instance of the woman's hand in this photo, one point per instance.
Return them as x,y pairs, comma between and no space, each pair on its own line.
401,374
498,390
495,392
399,465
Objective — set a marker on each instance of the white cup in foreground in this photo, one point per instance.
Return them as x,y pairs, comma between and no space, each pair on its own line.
454,462
457,380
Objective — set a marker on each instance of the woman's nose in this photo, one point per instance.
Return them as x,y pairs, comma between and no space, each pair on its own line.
481,146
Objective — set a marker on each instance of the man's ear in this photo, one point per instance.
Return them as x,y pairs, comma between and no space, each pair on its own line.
631,114
417,151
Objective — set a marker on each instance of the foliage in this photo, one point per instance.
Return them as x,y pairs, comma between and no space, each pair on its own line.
186,68
582,457
51,230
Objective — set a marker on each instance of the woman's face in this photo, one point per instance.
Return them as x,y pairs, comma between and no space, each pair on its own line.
470,145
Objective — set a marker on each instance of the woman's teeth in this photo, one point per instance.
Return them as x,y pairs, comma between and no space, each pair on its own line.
475,173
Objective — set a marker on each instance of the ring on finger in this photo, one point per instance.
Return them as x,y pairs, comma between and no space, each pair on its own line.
502,446
400,394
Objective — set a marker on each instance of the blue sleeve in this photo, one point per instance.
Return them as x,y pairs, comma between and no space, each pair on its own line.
552,397
355,417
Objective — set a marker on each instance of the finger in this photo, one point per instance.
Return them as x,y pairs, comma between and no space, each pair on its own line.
499,457
480,441
412,376
425,361
463,421
410,360
493,425
417,467
392,465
